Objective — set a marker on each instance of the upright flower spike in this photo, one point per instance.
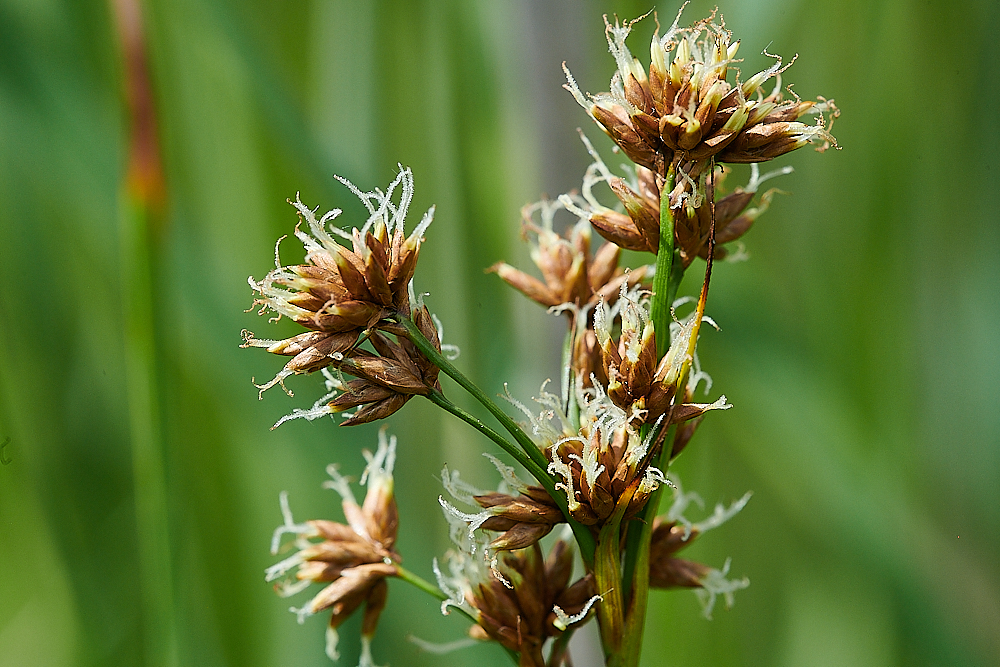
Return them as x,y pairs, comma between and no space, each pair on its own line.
340,291
353,559
685,113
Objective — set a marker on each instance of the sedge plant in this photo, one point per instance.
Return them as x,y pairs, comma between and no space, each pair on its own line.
595,452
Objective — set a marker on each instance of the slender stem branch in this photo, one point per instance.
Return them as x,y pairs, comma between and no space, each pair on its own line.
569,377
635,611
437,593
442,401
427,587
607,578
425,347
635,574
640,526
536,465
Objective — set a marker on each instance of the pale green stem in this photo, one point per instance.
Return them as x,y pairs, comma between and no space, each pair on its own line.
669,271
607,579
635,553
442,401
635,577
569,379
635,610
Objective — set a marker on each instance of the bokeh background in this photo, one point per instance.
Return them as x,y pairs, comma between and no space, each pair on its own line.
859,343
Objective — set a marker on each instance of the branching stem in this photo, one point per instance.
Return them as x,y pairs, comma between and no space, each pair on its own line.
528,456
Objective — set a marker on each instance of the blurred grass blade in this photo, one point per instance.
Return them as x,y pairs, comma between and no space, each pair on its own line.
141,212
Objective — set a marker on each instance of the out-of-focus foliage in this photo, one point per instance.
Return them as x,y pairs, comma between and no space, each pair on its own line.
859,343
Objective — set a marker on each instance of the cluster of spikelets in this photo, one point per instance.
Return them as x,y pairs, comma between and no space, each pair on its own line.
519,599
685,113
346,296
352,560
598,452
684,116
625,402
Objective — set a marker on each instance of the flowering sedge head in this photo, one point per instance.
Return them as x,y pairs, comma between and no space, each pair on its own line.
352,559
387,376
647,391
572,275
684,113
675,532
341,290
596,454
519,599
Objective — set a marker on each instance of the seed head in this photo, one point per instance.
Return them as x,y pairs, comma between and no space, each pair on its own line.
521,598
647,391
352,559
342,291
685,113
571,274
597,458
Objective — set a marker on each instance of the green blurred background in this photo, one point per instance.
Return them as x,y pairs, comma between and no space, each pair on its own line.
859,343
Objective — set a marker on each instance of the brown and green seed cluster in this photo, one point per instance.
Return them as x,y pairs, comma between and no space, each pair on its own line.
348,295
684,112
352,560
682,116
519,612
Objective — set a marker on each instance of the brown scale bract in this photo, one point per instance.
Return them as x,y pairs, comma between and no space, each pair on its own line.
389,378
665,569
